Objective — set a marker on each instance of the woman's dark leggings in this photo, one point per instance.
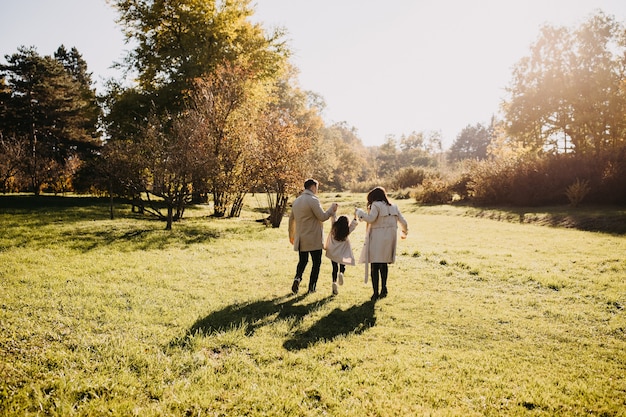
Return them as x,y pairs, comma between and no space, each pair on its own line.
337,268
379,269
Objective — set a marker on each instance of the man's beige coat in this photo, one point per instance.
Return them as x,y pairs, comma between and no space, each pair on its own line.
306,228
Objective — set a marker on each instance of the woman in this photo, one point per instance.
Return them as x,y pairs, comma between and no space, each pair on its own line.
379,249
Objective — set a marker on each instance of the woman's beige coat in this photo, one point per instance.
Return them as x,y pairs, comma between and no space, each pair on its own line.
381,234
306,229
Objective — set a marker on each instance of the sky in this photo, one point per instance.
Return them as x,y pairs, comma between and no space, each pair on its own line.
383,67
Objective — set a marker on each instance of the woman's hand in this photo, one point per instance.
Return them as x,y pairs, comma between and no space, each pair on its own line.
359,214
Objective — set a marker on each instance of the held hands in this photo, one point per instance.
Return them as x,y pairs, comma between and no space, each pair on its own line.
358,213
334,207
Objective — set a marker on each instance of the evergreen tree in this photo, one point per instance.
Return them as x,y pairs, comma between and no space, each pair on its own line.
53,108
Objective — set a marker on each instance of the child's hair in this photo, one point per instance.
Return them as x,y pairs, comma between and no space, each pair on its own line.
340,229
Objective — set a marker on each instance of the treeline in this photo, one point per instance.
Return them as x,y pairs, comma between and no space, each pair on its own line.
562,137
215,112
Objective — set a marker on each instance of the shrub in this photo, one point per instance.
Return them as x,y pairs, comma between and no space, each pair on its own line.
403,194
364,186
408,178
577,191
434,191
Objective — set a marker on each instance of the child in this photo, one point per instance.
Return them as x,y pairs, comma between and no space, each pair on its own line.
338,247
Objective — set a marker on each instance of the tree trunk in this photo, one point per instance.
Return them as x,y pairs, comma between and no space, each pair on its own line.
278,211
235,210
111,204
219,204
170,215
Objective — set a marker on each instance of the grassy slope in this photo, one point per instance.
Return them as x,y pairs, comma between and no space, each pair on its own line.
484,318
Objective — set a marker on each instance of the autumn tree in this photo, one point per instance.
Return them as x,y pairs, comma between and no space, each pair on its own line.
12,154
172,156
569,94
281,160
226,103
288,134
177,42
347,160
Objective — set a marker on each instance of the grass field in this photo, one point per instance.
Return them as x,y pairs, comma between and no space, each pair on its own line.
484,317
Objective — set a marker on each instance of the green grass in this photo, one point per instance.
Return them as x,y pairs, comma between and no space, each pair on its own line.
120,317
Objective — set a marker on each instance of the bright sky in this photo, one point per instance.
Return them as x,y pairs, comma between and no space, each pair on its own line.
389,67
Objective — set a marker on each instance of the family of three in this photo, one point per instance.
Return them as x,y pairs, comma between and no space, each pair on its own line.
306,233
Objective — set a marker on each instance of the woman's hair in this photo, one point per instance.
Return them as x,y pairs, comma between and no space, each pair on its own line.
377,194
340,229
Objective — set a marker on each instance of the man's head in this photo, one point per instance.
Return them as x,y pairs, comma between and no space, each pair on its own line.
311,184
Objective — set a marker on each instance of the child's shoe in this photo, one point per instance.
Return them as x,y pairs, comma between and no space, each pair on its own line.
335,290
340,278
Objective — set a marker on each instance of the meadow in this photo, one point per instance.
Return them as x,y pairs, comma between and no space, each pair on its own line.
487,315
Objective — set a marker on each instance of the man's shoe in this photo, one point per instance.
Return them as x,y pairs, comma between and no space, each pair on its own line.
340,278
383,294
296,285
335,290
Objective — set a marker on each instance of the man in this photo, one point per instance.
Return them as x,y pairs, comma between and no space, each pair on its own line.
306,232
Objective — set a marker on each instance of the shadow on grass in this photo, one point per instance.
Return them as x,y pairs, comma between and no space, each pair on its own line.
139,239
251,316
354,320
608,219
20,202
73,221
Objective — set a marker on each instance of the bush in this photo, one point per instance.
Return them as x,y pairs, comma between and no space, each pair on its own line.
531,180
434,191
408,178
363,186
577,192
403,194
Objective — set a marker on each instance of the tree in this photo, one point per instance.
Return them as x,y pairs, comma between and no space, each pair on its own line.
419,149
118,170
387,158
569,94
347,159
179,41
161,162
281,160
51,103
172,157
226,104
12,155
471,143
